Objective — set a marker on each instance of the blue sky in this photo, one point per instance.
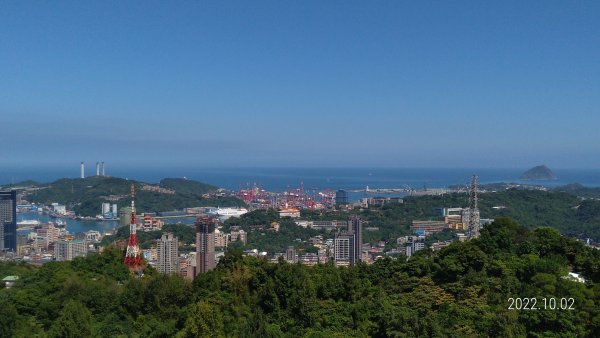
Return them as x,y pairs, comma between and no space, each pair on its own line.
308,83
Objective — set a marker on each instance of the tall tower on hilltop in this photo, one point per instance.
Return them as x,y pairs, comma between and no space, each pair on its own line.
82,169
133,257
473,208
97,168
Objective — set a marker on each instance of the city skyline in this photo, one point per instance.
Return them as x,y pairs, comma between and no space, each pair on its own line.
301,84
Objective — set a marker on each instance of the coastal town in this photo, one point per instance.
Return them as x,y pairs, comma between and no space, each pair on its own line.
339,241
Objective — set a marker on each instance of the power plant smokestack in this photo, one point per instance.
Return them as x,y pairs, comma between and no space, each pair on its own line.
82,170
97,168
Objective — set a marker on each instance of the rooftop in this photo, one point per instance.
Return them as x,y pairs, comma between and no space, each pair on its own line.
10,278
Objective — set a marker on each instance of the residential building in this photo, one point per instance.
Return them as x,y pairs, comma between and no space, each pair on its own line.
205,244
355,226
93,236
429,227
184,263
437,246
289,212
238,234
41,244
187,265
275,226
452,211
317,240
455,222
65,250
167,251
290,255
344,249
49,232
152,223
23,246
59,209
414,244
325,225
221,239
324,254
309,259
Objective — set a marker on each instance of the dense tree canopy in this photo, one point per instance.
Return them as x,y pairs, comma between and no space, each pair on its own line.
462,290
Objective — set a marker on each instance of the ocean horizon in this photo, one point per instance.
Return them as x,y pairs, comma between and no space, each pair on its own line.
281,178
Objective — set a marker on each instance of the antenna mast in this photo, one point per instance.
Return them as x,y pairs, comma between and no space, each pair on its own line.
473,208
133,256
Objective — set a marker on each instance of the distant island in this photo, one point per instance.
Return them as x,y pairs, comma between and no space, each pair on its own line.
539,173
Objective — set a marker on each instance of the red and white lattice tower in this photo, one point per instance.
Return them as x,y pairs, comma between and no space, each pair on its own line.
133,257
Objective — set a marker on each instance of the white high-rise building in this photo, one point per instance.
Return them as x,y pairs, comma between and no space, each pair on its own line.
105,208
344,249
168,254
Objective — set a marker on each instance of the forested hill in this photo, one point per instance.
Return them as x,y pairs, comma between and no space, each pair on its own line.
86,195
568,213
185,186
462,291
580,190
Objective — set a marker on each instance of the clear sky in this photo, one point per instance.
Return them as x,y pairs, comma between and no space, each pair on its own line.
309,83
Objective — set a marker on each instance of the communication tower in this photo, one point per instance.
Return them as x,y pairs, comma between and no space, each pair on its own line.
133,257
473,208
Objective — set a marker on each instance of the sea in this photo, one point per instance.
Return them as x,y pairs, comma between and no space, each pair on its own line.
283,179
280,179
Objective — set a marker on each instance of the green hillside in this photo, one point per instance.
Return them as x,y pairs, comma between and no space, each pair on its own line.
86,195
22,184
462,291
580,190
185,186
531,208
